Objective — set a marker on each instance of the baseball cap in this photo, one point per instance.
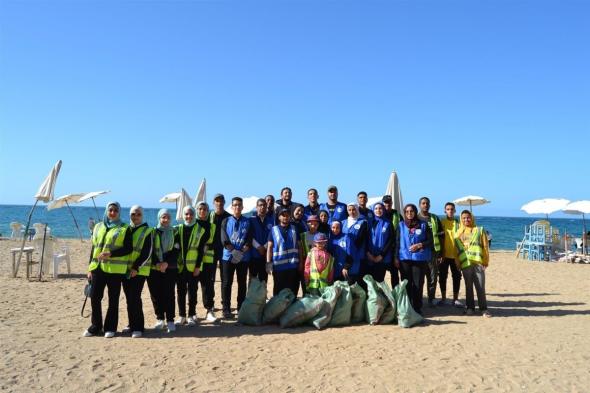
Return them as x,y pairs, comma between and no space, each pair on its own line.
332,188
218,196
386,199
283,210
320,238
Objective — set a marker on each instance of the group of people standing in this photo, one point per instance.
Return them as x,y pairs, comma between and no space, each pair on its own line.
304,247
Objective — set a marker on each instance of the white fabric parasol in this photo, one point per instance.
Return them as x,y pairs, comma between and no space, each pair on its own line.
545,206
65,200
471,200
183,201
201,195
172,197
395,191
92,195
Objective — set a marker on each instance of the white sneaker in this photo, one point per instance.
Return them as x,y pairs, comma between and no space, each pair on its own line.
160,325
136,334
211,317
87,333
126,329
458,304
181,321
109,334
171,327
192,320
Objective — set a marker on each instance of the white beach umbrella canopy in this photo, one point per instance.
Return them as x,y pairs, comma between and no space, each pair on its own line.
172,197
249,205
66,200
545,206
92,195
579,208
183,201
201,195
471,200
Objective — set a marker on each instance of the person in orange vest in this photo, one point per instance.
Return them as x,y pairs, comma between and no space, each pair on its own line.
319,266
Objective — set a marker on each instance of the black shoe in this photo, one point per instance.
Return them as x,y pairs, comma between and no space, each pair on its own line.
227,314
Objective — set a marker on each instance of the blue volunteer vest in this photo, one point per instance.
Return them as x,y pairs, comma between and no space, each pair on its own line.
237,232
337,246
261,230
339,214
380,234
407,238
357,253
285,254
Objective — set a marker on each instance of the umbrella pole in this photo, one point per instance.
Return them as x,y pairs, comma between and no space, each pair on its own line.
20,253
75,222
470,209
95,209
42,252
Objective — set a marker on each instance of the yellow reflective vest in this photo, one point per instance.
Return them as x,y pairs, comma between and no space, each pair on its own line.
192,253
318,279
104,239
473,255
139,237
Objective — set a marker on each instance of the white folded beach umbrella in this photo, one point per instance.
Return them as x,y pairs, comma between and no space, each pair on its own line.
579,208
545,206
44,194
393,188
65,200
471,200
172,197
183,201
92,195
201,195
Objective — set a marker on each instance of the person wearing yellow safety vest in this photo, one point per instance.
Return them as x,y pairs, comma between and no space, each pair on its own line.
449,252
437,230
208,266
319,266
138,268
473,256
236,236
162,278
307,242
111,246
191,239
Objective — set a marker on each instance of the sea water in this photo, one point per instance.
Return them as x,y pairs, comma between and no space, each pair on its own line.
506,231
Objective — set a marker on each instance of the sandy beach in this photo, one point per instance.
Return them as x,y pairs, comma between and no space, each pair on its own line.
537,341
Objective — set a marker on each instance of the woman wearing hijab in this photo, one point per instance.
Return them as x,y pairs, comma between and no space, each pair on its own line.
139,267
164,273
473,256
324,227
111,246
207,276
191,238
380,244
355,229
413,245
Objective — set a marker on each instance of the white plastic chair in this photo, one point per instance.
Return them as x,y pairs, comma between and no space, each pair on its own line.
16,228
39,230
61,254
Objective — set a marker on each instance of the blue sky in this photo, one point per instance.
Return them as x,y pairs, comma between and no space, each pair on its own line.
142,97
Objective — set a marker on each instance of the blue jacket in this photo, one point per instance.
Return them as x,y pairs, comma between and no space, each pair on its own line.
337,247
356,246
380,239
409,237
260,231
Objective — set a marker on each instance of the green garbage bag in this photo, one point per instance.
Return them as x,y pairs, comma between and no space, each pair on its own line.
251,311
277,306
357,312
343,307
390,313
406,316
376,302
301,311
330,295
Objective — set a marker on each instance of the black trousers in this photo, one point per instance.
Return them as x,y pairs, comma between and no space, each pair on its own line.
132,288
285,279
228,270
186,283
394,275
415,273
443,273
432,277
112,282
207,281
161,287
376,270
257,269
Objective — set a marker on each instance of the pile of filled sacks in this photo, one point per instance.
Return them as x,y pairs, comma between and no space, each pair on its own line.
340,304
